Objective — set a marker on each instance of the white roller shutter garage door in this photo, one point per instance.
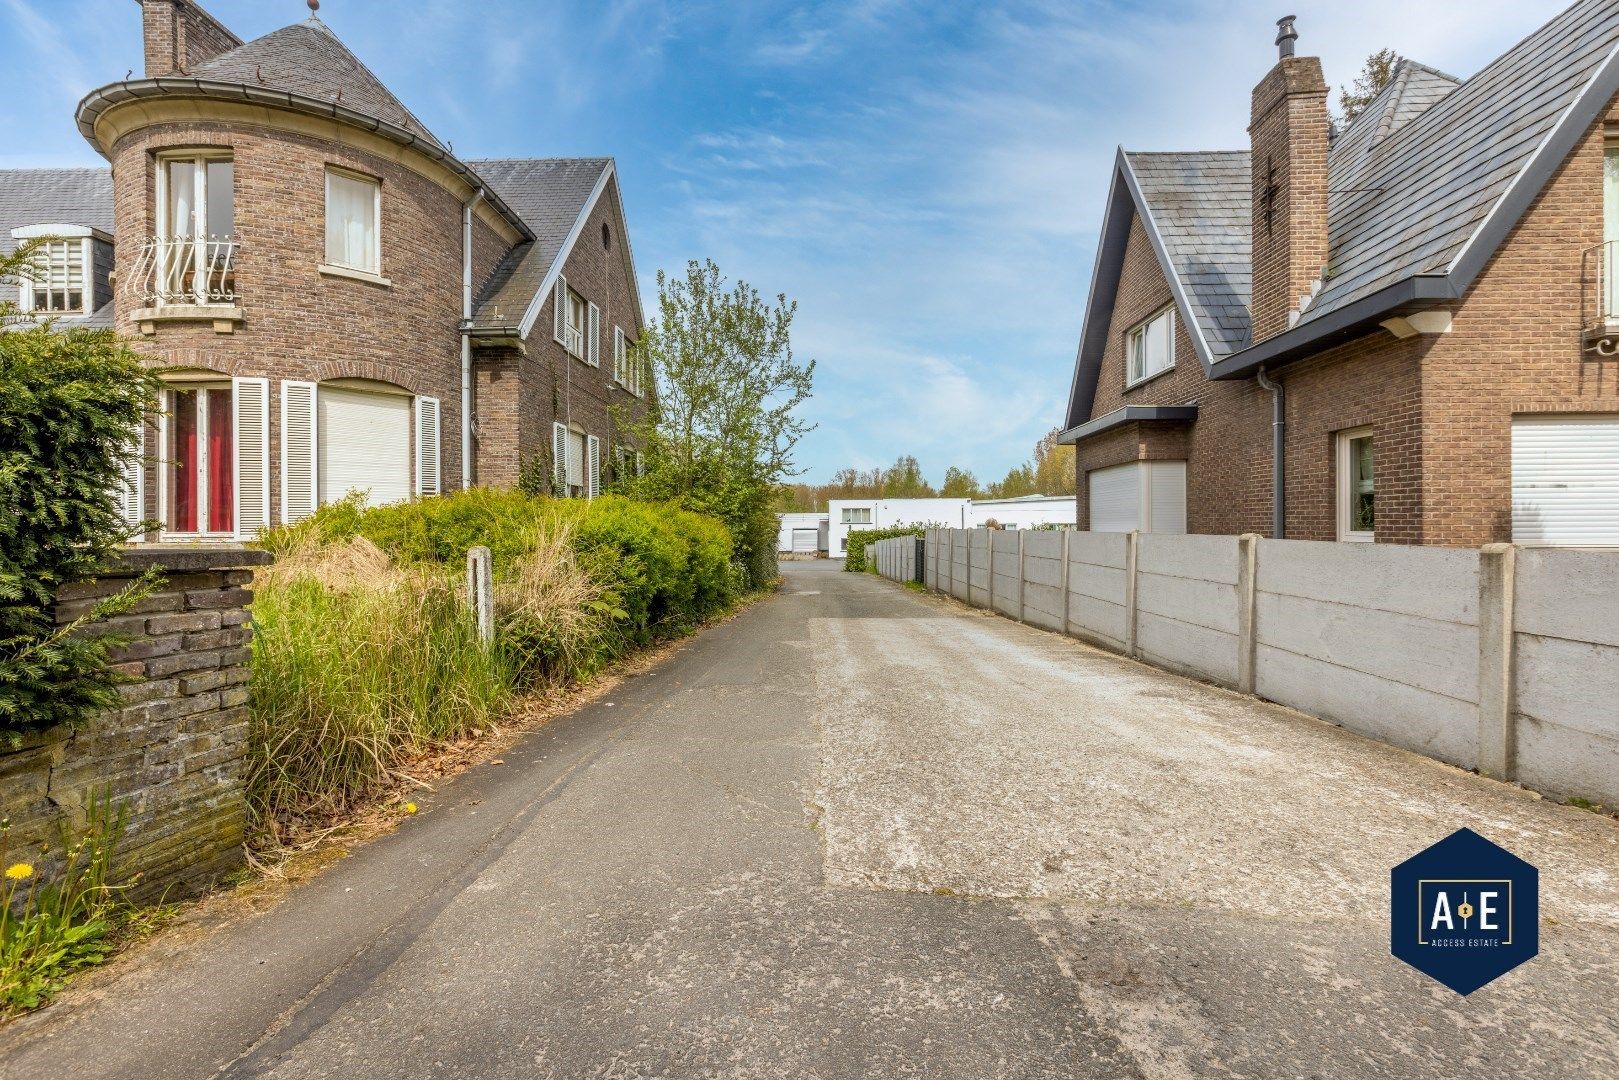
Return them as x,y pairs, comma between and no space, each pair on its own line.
1149,496
1116,498
1565,480
805,541
364,445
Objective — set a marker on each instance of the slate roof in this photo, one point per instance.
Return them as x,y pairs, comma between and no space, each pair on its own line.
1422,187
1200,205
53,197
548,194
307,58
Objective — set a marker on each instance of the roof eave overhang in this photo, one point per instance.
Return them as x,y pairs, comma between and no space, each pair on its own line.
100,100
1336,327
1130,414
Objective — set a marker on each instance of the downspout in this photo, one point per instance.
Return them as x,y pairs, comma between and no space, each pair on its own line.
466,337
1278,454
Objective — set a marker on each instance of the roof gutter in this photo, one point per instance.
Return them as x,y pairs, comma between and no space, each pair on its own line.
1350,321
466,342
99,101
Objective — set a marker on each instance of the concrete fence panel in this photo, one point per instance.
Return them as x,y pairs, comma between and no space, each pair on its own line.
1098,588
1043,579
978,568
1380,638
1008,585
1188,612
1565,707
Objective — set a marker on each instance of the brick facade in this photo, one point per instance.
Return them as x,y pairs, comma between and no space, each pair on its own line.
1440,405
178,35
1289,137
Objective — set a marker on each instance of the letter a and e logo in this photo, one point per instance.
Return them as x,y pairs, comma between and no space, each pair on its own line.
1465,911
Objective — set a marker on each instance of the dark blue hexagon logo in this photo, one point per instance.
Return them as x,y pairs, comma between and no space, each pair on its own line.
1465,911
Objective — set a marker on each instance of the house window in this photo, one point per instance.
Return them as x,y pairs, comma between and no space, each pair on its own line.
576,462
574,333
1610,233
626,369
199,461
1356,485
196,224
61,273
353,214
856,515
1150,347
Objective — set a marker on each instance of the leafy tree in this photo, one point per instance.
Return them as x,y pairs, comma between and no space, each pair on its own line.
960,484
721,433
1373,77
69,404
1019,481
1054,466
904,480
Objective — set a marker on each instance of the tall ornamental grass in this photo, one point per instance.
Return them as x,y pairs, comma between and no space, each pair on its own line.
359,666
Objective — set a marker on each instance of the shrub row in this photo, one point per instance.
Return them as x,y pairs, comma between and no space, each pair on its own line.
855,560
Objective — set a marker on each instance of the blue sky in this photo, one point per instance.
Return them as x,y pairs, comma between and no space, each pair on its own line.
925,177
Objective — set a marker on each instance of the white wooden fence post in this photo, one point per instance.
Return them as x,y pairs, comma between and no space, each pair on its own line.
481,592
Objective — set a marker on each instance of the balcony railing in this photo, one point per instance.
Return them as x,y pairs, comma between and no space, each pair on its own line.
187,270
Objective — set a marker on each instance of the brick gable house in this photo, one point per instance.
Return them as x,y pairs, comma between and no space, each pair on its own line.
336,301
1404,331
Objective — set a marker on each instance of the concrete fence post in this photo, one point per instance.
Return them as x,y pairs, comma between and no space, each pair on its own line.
481,592
989,560
1067,535
1021,581
1130,552
1247,593
1497,734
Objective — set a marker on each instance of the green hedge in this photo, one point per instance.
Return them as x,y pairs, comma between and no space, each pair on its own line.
69,405
855,560
662,570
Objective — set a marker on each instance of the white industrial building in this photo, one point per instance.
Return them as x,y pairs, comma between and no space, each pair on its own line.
846,514
802,534
1025,512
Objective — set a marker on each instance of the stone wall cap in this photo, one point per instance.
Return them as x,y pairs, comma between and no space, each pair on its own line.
185,558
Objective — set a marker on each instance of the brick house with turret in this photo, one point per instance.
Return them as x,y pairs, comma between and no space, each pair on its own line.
1406,330
337,302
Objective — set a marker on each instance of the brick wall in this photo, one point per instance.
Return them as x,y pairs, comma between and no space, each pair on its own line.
548,384
299,323
174,752
1288,135
179,34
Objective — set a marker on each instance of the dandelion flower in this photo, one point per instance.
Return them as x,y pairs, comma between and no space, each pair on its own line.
19,871
410,808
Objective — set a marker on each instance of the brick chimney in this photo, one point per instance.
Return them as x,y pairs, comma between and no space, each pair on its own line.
1288,134
180,34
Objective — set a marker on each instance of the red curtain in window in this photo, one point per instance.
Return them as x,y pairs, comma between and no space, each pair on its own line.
183,456
221,463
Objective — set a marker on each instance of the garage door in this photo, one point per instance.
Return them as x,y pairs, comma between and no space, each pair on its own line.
364,445
1149,496
804,540
1565,480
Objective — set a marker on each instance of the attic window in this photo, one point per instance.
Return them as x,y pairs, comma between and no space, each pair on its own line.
607,236
1150,347
59,278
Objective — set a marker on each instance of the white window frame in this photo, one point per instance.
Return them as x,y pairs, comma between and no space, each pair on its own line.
846,514
66,242
163,462
376,215
1138,333
199,233
1345,440
573,334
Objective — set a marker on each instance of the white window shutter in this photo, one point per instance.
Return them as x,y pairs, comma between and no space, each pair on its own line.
251,402
428,480
593,462
298,434
132,488
559,304
559,458
593,328
618,357
640,464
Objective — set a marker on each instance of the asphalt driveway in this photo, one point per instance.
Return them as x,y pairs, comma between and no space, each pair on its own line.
858,831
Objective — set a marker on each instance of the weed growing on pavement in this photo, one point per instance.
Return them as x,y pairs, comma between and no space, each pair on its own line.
53,923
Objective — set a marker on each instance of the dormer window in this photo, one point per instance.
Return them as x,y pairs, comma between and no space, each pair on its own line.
1150,347
62,281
